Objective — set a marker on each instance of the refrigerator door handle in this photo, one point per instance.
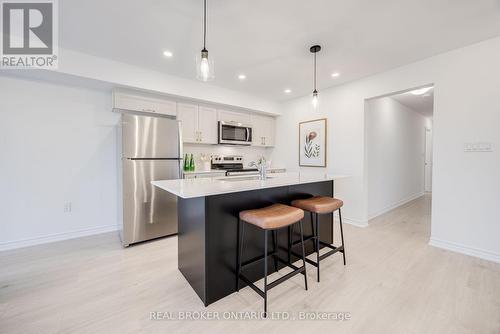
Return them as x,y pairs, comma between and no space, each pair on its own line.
181,169
181,153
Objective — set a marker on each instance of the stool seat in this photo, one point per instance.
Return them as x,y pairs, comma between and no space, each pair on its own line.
318,204
273,216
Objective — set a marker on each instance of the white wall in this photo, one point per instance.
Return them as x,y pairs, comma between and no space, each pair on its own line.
466,214
57,145
395,138
80,65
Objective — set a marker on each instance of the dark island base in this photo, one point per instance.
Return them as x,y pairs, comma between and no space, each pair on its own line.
208,236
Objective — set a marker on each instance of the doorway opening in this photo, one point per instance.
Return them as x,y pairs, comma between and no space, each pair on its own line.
398,154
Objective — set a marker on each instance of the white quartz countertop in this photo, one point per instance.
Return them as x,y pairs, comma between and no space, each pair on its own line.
190,188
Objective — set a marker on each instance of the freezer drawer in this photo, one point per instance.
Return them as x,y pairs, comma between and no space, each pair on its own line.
148,212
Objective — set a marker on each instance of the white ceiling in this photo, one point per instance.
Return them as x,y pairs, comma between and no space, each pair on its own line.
269,40
423,104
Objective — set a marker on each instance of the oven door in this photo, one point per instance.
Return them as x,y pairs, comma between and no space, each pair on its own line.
235,133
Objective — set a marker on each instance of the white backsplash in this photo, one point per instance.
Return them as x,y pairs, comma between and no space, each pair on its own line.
249,153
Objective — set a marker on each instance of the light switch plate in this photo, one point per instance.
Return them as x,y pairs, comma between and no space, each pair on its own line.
478,147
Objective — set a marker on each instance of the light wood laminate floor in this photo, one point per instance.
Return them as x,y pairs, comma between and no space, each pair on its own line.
394,282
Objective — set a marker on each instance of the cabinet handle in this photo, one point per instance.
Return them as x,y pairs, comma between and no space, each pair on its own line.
264,141
148,110
201,136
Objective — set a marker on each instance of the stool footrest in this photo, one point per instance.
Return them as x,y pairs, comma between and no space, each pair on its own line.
253,286
258,258
285,277
296,270
309,238
289,265
333,251
323,256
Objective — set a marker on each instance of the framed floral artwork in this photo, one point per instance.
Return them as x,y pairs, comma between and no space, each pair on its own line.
312,143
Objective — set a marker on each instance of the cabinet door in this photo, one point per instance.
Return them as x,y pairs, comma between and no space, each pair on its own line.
143,102
258,124
188,115
233,116
207,124
269,125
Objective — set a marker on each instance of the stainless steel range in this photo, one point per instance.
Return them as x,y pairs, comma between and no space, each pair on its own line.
232,164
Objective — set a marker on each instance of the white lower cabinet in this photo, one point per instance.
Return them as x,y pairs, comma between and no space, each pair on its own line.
199,123
263,130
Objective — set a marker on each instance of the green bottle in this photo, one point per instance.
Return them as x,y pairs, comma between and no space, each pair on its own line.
186,163
191,163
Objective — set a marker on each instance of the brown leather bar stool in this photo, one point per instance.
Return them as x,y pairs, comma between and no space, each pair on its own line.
271,218
321,205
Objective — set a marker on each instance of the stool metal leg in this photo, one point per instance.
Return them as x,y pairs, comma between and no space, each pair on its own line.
317,242
289,245
265,273
303,253
312,231
275,249
342,235
240,252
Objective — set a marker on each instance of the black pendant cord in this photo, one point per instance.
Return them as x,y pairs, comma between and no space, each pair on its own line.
204,24
315,72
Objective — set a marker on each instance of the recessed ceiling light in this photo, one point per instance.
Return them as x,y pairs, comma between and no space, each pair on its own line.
168,54
242,77
421,91
335,74
287,91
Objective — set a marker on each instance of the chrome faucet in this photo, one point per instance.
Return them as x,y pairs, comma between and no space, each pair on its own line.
261,165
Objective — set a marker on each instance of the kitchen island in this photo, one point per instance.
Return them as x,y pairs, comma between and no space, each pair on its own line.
208,224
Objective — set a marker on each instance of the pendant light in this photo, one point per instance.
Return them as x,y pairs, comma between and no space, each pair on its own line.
315,49
204,65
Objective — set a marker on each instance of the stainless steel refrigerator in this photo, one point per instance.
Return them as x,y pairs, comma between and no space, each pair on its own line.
151,149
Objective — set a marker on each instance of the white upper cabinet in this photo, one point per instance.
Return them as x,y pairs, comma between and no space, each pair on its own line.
199,123
188,115
263,130
207,124
233,116
137,101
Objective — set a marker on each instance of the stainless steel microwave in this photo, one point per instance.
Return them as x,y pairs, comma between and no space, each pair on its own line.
235,133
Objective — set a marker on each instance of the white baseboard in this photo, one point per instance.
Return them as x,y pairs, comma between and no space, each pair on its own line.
56,237
395,205
467,250
355,222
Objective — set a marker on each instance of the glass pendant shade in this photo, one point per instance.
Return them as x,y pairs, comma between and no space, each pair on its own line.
205,70
315,100
204,67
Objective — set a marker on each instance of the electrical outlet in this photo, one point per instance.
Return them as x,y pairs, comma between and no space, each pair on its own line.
67,207
478,147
